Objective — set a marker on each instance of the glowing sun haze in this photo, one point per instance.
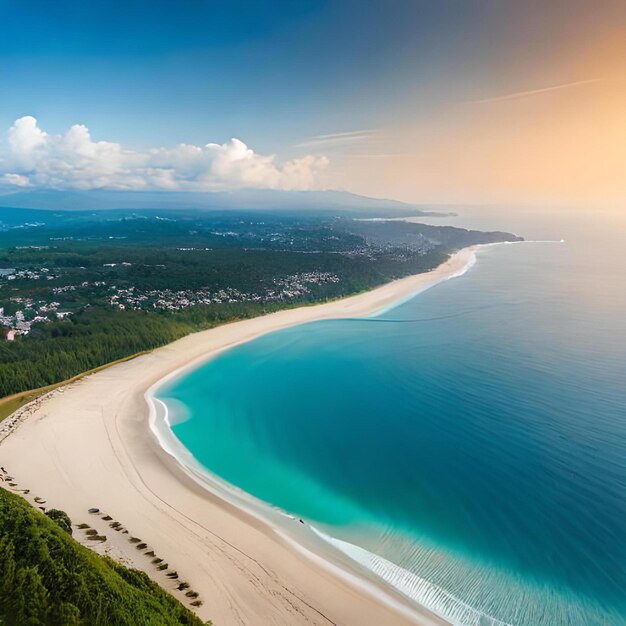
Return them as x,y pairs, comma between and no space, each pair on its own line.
557,143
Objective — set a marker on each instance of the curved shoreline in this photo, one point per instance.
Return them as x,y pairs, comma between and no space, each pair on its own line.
323,550
88,445
306,540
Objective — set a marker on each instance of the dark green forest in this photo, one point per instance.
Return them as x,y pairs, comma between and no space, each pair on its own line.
47,578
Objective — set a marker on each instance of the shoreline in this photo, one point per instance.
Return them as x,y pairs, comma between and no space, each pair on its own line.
90,445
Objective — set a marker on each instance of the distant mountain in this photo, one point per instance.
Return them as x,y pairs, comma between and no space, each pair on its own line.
245,199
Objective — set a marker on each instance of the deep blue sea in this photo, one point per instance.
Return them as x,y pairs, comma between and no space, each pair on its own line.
473,438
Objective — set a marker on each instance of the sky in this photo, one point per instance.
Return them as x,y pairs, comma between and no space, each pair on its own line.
439,101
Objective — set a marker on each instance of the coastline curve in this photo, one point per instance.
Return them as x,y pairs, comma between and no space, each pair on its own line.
369,572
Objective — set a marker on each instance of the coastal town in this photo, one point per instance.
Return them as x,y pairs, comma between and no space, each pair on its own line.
290,287
27,311
58,265
22,320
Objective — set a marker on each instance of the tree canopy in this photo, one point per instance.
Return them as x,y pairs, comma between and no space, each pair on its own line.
50,579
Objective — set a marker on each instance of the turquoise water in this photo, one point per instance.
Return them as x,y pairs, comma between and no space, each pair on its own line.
474,436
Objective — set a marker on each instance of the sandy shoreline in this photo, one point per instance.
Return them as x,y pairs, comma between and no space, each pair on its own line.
89,445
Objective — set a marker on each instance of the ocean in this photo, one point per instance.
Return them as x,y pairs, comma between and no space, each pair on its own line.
468,446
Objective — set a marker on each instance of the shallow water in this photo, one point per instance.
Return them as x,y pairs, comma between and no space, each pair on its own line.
473,437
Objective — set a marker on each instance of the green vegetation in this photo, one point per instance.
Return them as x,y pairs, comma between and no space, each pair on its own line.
60,350
48,578
61,518
9,405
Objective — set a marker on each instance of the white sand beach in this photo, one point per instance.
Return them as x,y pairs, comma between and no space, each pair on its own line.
89,445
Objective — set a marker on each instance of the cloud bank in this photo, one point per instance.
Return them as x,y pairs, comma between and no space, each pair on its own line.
32,158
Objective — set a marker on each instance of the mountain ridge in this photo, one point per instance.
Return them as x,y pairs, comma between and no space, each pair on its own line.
244,199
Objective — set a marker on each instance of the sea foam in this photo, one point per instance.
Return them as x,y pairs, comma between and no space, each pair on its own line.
414,587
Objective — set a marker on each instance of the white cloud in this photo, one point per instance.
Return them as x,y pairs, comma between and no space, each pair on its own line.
14,180
341,139
30,157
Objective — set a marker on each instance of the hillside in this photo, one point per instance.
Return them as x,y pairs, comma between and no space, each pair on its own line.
49,578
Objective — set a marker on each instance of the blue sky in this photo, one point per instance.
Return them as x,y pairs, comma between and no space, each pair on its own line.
277,74
273,72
